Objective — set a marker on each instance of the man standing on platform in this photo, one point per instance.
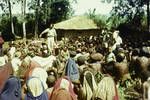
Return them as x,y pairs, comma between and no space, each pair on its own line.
51,37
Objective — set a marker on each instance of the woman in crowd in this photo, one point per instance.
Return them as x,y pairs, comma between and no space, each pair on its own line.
35,90
63,90
89,85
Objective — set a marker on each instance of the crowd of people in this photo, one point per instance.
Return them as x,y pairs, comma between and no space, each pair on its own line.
84,68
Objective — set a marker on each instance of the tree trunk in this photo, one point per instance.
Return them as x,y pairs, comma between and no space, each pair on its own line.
23,14
36,18
11,18
148,16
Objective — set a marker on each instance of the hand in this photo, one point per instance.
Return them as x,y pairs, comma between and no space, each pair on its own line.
40,35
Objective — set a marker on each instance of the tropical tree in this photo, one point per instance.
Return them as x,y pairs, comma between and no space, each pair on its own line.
50,11
131,10
23,16
100,20
6,5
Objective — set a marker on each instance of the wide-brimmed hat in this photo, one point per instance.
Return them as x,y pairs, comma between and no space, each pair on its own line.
96,56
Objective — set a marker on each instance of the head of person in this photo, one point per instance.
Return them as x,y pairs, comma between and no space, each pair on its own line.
51,80
94,57
65,49
120,57
65,84
81,60
35,88
145,75
51,26
72,54
52,77
109,68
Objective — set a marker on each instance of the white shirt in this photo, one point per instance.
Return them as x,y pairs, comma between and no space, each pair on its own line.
2,61
16,62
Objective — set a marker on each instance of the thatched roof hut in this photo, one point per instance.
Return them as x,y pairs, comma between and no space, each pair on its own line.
77,26
77,23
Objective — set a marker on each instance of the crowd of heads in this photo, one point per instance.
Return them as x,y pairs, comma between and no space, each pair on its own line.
82,68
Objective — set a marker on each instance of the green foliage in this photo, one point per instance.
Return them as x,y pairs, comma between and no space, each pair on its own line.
100,20
4,22
44,13
59,10
129,11
5,27
114,21
128,8
30,23
52,11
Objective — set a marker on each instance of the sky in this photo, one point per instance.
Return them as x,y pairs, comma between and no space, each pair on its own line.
82,6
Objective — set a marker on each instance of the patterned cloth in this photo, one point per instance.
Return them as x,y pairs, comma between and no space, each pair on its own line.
89,86
106,89
72,70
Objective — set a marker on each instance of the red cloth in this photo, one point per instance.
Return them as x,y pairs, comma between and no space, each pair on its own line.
57,87
61,94
5,72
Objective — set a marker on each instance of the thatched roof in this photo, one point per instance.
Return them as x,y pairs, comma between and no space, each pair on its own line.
76,23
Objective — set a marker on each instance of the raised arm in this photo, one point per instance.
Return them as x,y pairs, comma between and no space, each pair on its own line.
45,31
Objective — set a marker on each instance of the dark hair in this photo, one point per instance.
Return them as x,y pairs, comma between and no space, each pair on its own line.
72,54
120,57
81,60
135,52
109,68
145,75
